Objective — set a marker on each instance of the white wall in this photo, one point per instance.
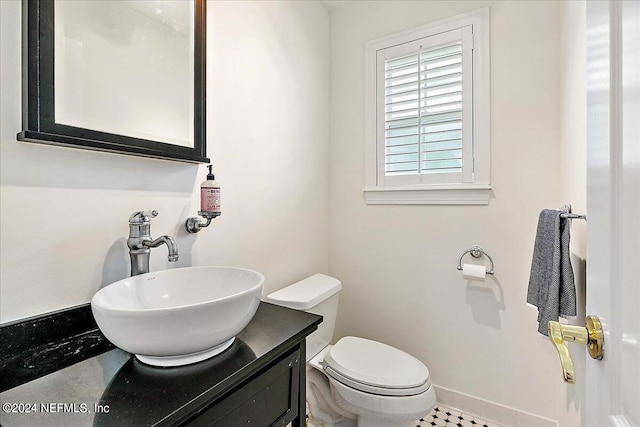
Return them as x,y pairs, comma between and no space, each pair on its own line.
398,263
63,223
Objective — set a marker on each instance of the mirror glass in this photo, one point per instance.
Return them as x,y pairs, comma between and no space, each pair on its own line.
126,67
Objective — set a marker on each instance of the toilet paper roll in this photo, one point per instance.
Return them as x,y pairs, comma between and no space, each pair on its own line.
472,271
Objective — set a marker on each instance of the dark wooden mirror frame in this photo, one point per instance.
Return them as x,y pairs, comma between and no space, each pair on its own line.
38,94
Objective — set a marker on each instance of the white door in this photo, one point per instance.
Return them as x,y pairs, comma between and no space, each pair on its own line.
613,206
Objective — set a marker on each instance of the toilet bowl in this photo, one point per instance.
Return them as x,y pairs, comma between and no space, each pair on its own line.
356,381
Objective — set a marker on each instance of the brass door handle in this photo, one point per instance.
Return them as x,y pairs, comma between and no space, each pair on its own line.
591,335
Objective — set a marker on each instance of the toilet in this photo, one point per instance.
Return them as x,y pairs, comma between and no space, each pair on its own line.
356,381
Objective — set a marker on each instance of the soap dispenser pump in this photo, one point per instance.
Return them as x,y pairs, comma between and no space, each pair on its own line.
210,194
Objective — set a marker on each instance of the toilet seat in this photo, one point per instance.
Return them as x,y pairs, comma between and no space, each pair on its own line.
376,368
382,408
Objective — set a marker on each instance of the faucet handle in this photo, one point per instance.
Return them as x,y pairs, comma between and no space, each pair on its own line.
142,216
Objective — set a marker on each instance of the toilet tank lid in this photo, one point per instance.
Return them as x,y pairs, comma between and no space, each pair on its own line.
306,293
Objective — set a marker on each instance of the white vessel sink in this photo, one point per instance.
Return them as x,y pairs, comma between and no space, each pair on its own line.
179,316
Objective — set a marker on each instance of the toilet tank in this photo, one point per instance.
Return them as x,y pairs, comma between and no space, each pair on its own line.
317,294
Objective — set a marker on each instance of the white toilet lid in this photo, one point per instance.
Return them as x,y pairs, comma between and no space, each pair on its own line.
379,366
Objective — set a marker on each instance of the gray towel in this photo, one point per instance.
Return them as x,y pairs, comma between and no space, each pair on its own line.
551,283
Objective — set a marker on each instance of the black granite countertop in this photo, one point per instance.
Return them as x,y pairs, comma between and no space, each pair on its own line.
115,389
33,347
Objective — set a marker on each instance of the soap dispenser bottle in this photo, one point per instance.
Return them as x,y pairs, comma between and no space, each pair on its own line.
210,195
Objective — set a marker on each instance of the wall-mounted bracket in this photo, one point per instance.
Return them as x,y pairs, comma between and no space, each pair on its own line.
194,224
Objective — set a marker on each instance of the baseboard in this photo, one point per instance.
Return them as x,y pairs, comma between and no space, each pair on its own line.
490,411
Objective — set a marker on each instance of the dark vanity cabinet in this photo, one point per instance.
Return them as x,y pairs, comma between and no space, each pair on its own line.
271,398
258,381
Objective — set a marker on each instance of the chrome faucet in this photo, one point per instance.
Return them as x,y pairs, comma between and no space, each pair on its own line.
140,242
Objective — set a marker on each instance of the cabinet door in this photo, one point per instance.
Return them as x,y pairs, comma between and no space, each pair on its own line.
268,399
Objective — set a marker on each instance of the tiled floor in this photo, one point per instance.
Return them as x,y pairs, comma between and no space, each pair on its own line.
443,416
447,417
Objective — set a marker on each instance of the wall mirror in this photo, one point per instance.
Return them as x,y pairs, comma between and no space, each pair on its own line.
124,76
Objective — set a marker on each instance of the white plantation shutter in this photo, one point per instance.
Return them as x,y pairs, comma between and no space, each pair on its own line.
424,108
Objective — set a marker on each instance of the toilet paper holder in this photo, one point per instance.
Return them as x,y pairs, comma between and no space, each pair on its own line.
476,252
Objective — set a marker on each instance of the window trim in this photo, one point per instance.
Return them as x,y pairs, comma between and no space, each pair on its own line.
476,192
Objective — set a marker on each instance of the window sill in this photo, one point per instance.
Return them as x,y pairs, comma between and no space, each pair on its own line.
466,194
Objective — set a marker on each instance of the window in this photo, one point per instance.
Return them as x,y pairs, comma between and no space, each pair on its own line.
428,114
